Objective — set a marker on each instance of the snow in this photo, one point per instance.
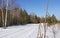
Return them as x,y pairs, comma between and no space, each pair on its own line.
28,31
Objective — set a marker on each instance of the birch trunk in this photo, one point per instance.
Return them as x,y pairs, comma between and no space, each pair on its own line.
45,30
6,14
39,35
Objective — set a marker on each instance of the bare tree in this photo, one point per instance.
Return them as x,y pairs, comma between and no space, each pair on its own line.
6,13
5,4
39,34
54,29
45,25
1,3
54,32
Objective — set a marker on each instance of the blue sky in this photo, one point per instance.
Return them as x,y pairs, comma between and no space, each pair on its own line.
39,7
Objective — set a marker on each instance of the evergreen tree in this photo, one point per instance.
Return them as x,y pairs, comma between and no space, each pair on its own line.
54,20
25,17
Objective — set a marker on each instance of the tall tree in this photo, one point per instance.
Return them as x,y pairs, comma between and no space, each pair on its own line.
5,4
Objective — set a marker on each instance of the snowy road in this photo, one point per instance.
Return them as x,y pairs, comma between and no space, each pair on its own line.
27,31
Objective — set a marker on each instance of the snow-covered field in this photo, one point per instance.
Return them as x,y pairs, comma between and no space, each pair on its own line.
28,31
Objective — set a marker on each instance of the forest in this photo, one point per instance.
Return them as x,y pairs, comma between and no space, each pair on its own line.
17,16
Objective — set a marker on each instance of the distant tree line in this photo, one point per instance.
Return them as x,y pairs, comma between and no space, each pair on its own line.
17,16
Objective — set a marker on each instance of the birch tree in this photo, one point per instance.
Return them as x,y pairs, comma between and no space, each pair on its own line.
9,3
54,28
39,34
6,14
5,4
45,25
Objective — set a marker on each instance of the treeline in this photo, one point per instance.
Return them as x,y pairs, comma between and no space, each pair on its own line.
14,14
18,16
50,19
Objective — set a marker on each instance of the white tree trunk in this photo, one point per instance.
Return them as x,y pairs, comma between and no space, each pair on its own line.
6,14
39,35
45,30
54,31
